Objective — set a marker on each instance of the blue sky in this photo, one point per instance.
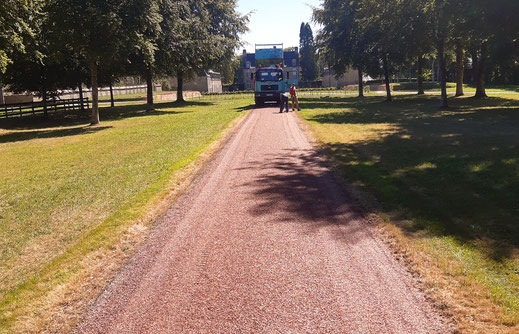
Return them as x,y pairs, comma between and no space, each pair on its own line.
275,21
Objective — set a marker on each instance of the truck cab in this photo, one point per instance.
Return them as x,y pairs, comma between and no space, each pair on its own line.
269,84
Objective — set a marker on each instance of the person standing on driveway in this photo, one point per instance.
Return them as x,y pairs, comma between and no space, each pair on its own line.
293,95
283,97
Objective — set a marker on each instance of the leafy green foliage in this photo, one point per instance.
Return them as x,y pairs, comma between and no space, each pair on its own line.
15,22
198,35
114,38
309,68
390,36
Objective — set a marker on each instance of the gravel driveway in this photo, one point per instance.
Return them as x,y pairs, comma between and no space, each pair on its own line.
264,241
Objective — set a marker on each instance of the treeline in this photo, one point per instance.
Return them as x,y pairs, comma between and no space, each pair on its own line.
383,37
51,45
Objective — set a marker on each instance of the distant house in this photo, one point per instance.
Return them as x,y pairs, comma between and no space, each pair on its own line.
351,77
10,98
206,81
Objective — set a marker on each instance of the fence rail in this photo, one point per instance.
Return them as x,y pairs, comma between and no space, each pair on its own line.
20,109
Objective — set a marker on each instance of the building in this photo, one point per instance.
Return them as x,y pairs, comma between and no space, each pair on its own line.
329,79
206,81
290,64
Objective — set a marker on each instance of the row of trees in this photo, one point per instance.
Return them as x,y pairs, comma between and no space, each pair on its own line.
382,37
50,45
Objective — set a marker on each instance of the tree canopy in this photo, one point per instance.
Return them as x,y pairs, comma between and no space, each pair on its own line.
49,45
16,26
391,36
309,68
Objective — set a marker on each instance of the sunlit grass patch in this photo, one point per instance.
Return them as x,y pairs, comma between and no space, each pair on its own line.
68,189
449,180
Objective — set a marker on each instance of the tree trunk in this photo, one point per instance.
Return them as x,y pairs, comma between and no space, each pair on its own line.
480,73
433,70
386,78
112,102
361,84
441,73
44,91
419,76
460,57
44,100
149,89
95,94
180,88
2,99
81,97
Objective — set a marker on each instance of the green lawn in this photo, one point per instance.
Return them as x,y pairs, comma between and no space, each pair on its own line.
451,177
127,97
66,186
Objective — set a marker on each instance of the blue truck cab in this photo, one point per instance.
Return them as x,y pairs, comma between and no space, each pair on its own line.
270,76
269,84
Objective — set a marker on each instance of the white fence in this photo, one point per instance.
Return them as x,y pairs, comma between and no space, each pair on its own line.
105,91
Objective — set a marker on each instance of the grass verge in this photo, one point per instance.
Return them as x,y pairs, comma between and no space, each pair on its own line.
71,193
448,185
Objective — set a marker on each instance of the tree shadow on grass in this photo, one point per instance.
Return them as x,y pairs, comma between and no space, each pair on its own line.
128,99
74,118
510,88
246,108
54,133
453,172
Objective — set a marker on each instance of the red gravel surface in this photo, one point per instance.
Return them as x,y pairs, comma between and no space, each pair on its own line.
264,241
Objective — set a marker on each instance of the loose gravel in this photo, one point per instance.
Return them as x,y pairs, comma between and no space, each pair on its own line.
264,241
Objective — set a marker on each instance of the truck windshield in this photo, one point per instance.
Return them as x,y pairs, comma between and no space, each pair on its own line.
269,75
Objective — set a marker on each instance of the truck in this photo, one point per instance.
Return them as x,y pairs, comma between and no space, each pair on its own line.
271,76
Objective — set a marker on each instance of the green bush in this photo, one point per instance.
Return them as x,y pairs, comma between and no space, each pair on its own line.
166,87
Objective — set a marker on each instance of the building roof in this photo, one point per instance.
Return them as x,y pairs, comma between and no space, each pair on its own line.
291,58
249,60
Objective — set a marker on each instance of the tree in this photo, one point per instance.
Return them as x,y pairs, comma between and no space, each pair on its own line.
228,68
103,32
144,20
343,42
417,41
206,33
15,28
499,35
15,23
181,31
43,66
441,14
460,66
93,30
382,21
309,69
